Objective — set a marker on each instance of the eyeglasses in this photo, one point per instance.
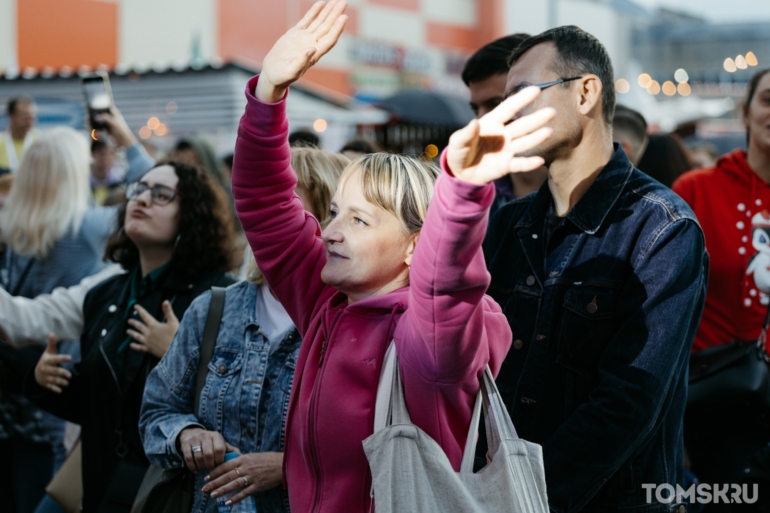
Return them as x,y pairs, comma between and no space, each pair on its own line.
159,194
544,85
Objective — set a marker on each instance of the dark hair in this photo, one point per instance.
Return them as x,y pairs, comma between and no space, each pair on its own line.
206,231
665,158
491,59
362,145
228,160
751,91
14,102
578,53
630,121
304,138
99,144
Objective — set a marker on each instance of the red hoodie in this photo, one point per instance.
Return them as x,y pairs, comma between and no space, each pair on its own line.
733,206
445,328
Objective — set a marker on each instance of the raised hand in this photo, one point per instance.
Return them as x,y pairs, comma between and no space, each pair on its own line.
299,48
48,372
486,149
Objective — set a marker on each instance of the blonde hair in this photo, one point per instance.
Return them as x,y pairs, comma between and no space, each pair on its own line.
317,172
400,184
50,193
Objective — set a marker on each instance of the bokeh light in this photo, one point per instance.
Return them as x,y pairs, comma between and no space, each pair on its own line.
161,130
644,80
145,132
684,89
751,59
740,62
320,125
681,76
153,123
622,86
669,89
653,87
431,151
172,107
730,66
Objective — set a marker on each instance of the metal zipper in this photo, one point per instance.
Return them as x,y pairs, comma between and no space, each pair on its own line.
311,420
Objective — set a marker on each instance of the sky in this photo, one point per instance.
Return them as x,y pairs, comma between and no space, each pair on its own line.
718,10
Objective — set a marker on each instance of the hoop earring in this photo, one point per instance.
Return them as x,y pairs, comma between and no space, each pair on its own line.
176,242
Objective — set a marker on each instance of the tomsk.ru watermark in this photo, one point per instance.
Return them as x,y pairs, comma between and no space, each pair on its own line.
702,493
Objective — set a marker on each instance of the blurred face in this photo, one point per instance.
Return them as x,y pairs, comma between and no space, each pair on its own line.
487,94
23,119
534,67
757,117
103,160
150,224
368,251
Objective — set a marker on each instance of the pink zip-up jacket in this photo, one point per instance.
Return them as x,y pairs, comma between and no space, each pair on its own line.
445,328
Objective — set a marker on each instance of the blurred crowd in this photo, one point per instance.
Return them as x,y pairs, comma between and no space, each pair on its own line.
612,257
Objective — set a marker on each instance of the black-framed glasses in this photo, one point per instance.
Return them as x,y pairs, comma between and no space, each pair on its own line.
159,194
544,85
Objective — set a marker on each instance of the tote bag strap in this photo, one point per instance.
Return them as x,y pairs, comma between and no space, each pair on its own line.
390,406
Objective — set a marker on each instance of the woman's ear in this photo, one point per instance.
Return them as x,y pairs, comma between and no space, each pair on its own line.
410,248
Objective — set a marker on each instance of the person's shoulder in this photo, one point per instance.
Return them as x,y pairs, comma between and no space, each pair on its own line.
105,291
658,198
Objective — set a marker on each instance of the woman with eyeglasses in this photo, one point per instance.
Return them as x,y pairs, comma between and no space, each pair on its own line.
174,240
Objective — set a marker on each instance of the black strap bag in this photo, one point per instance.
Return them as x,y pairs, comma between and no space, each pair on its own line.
730,376
172,490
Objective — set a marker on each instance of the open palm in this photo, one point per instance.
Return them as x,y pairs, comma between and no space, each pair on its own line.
487,148
301,47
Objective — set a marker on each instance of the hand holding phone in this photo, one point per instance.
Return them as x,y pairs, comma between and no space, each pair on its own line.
98,97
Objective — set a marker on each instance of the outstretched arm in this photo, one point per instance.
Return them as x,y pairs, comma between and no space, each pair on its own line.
285,239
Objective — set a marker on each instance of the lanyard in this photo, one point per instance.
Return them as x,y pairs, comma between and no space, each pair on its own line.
10,149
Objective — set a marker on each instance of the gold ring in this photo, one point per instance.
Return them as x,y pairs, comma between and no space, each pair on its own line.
238,472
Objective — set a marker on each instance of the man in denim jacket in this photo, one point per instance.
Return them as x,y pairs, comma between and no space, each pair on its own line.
602,276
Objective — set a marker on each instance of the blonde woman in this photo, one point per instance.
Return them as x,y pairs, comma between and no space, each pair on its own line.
387,267
258,345
54,238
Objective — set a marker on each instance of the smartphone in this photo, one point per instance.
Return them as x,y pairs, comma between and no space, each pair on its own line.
98,94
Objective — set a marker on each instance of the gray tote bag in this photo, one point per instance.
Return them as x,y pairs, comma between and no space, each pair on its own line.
412,474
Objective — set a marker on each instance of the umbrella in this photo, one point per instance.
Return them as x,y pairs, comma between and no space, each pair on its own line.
428,107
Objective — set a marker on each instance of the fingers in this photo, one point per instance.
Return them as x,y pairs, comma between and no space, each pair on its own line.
465,137
228,483
198,456
220,471
336,12
506,110
147,318
168,312
528,124
328,42
530,141
139,347
232,448
219,449
309,16
523,164
54,360
321,17
51,348
139,337
249,490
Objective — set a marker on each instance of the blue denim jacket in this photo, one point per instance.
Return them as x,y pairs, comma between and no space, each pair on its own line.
245,397
602,325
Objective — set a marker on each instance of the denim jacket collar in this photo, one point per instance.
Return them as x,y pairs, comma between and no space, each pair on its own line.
249,318
592,209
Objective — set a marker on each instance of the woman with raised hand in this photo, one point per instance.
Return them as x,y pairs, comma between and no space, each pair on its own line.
250,377
174,239
387,267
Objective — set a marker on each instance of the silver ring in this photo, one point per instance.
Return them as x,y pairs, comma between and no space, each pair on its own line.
245,481
238,472
197,448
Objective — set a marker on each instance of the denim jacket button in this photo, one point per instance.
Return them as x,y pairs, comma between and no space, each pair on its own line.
104,332
518,344
223,368
531,281
252,433
112,309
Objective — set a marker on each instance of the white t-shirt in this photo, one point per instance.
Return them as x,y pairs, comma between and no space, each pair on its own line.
273,320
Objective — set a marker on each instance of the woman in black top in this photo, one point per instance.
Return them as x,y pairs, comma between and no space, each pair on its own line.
174,239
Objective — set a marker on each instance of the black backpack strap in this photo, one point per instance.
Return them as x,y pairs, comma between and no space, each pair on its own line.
216,308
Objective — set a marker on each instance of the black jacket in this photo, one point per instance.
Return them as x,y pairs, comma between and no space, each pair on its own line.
105,399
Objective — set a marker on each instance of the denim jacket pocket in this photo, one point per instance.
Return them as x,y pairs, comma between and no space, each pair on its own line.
225,363
586,328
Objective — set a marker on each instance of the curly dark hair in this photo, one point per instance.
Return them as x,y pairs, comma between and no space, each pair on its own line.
206,228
